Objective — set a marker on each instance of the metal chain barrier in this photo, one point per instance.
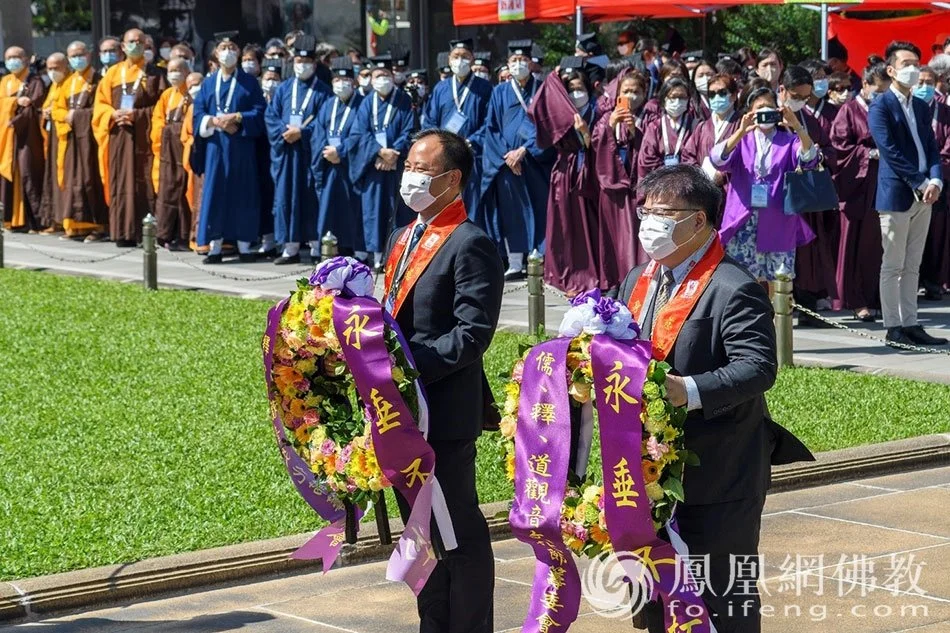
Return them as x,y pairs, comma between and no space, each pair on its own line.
863,334
69,260
244,278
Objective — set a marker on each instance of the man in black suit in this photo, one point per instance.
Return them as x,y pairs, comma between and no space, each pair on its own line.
444,281
722,350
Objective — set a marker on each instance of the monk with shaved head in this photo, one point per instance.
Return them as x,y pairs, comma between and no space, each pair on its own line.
168,176
51,204
21,144
121,116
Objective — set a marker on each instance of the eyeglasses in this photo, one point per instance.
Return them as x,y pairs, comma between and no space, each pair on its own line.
662,212
722,92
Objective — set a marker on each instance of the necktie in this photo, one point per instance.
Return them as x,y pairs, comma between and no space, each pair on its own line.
417,232
660,300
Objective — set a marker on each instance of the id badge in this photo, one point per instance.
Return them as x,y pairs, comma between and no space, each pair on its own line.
296,120
526,130
127,103
336,142
455,122
671,159
760,195
382,139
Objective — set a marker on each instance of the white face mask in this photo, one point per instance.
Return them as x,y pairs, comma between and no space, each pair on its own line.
364,81
303,70
579,98
56,76
460,66
702,84
399,78
165,52
908,76
484,76
675,107
795,105
268,85
175,78
414,189
343,89
383,85
769,73
227,58
149,56
656,236
519,70
249,67
193,91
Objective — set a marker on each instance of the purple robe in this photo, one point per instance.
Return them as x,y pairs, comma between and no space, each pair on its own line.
655,148
777,232
858,271
935,266
570,261
614,161
696,149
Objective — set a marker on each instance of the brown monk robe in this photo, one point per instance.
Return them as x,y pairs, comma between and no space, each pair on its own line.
85,212
194,181
52,211
168,174
21,144
121,117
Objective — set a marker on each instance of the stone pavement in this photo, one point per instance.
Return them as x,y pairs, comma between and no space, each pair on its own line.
826,347
867,556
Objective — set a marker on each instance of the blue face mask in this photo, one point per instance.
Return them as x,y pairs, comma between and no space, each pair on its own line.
108,57
14,64
78,63
925,92
820,88
720,105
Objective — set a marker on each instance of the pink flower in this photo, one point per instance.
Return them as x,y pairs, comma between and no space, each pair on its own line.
600,502
655,449
304,353
345,456
327,448
580,533
517,373
302,385
311,417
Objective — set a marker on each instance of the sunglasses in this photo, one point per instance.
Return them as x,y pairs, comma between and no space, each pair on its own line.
722,92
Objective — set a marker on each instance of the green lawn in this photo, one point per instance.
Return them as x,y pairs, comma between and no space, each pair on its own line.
133,424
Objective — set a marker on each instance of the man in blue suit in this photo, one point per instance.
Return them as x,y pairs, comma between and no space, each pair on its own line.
909,181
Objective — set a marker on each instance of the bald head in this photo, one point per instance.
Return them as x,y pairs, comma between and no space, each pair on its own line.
134,35
14,51
194,79
178,65
77,48
56,61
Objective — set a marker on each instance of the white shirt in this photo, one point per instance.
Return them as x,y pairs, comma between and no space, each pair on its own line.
907,105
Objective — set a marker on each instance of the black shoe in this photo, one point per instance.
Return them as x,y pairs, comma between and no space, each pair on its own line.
125,243
287,259
212,259
513,275
806,320
268,254
247,258
896,335
867,318
917,335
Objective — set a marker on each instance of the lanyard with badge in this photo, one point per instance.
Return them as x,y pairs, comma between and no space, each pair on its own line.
719,127
457,118
296,114
526,130
217,94
672,157
381,136
336,138
128,98
760,189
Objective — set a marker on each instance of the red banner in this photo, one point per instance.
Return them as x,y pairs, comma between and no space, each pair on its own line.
870,37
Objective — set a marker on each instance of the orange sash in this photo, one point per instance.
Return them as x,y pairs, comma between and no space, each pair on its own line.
431,241
670,320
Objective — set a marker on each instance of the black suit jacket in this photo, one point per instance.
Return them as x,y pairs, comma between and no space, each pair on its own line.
727,345
449,318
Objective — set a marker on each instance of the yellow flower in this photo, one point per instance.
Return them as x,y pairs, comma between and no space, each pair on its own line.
375,485
580,391
591,493
670,433
655,426
293,316
580,511
510,466
509,425
511,406
654,491
398,375
306,366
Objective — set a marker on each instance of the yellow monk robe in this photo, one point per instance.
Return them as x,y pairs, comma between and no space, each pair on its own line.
193,185
52,210
125,151
77,157
172,213
21,150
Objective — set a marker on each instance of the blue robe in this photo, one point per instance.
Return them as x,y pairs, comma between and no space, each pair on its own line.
295,200
231,195
517,204
383,208
440,110
338,201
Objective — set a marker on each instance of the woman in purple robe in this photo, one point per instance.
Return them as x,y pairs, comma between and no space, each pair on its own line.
859,247
935,266
755,229
723,93
673,69
666,136
700,77
564,113
818,104
615,145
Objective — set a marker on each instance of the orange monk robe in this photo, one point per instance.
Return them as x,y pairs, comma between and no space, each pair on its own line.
125,151
170,104
52,203
169,178
21,150
193,184
77,156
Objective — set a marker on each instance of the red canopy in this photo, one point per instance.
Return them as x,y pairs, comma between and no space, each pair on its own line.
870,37
474,12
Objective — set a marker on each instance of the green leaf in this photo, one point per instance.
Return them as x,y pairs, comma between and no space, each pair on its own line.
674,487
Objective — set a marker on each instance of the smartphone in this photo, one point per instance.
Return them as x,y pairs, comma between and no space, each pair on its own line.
623,103
768,116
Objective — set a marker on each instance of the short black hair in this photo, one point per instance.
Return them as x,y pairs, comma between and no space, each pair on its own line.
687,183
456,152
795,76
898,45
669,85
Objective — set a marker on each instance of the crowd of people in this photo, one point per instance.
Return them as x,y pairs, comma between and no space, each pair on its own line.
271,147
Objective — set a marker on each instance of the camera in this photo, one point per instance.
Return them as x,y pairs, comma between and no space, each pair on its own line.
413,91
768,116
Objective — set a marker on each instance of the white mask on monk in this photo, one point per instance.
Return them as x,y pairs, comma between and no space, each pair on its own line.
57,76
193,91
175,77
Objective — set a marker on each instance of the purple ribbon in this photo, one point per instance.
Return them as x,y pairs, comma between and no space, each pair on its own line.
327,542
542,452
403,454
619,369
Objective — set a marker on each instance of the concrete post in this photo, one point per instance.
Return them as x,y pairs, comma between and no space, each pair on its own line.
782,303
535,292
329,247
149,256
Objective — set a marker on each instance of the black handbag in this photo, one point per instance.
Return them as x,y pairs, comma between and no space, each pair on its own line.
809,191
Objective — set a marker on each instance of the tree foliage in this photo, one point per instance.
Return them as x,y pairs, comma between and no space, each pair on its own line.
793,31
51,16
